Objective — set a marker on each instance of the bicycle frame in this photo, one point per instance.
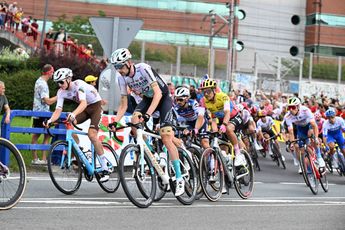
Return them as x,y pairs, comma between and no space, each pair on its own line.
90,167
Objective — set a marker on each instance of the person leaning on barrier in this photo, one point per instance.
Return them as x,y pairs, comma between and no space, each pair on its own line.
4,102
41,103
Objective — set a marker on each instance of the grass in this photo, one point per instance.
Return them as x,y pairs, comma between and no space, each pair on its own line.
20,138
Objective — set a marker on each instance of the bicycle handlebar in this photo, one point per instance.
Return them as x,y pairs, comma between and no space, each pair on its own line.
65,122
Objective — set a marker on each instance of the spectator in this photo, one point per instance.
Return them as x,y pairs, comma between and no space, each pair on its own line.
4,102
12,9
69,45
49,38
60,38
3,10
25,26
89,50
42,101
92,80
171,87
34,32
17,17
192,92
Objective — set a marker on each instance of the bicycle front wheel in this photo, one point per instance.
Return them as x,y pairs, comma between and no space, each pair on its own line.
211,174
12,176
244,177
138,178
276,150
196,155
64,171
189,176
309,173
113,183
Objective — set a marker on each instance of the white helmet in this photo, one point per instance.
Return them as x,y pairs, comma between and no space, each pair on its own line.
182,92
62,74
120,56
240,107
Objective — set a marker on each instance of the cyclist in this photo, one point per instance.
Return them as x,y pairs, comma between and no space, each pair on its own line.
89,108
304,120
333,129
266,129
143,79
223,109
188,110
248,125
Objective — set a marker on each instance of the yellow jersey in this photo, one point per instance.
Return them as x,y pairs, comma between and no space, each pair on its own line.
217,106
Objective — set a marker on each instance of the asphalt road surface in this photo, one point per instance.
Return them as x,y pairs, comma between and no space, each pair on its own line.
281,200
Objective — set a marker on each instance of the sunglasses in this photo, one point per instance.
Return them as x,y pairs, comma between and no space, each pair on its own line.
292,107
61,82
179,99
331,117
208,91
119,66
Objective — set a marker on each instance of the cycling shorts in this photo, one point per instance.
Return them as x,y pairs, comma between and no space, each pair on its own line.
339,139
94,112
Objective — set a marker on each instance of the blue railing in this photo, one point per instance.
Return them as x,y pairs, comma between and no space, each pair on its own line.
59,132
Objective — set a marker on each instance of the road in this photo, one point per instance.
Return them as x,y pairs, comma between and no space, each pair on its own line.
281,200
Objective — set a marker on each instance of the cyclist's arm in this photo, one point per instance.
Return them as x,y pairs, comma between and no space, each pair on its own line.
81,107
201,117
315,128
157,96
56,114
122,108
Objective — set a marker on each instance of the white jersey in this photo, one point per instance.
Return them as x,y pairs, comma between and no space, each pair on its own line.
141,82
246,116
333,129
265,126
302,118
78,90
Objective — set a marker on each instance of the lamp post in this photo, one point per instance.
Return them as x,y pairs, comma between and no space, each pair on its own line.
44,23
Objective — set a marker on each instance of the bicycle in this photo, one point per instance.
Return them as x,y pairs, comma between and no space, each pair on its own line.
310,169
337,156
67,162
138,168
252,150
12,175
217,171
276,153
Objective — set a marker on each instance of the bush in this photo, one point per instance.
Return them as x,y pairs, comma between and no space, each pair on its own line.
11,61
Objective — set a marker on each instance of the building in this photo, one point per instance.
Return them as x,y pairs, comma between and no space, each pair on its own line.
270,29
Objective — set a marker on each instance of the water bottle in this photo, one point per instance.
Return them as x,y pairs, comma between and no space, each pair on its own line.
163,159
88,155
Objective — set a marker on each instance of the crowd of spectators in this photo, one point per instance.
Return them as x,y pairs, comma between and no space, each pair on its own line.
12,17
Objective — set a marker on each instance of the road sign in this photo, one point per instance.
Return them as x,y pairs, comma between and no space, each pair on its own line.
115,33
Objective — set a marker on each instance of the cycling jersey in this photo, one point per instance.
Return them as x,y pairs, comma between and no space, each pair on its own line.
191,112
220,104
246,116
333,132
320,124
302,118
335,129
141,82
265,126
78,90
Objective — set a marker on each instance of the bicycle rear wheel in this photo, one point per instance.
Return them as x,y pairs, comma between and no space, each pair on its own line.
254,156
341,163
211,174
309,172
244,177
139,186
65,175
12,176
189,176
113,183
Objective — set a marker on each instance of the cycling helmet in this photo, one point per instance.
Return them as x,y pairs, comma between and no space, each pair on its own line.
120,56
262,113
317,116
182,92
330,112
208,83
253,110
294,101
240,107
245,105
62,74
